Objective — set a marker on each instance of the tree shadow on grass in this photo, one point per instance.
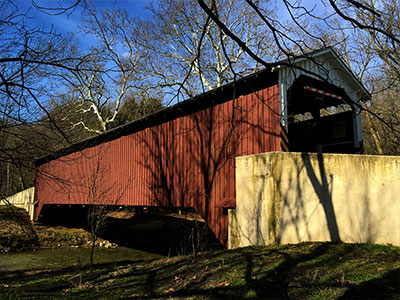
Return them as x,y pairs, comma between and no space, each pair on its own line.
24,276
386,287
281,282
263,274
274,284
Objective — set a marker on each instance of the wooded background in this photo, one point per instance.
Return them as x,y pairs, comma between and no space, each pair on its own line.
59,87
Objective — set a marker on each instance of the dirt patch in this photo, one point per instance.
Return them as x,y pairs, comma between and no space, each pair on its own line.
59,236
179,213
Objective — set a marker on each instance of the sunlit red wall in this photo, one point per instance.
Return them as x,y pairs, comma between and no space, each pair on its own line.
188,161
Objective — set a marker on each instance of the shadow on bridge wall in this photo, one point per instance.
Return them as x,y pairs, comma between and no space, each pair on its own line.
189,162
316,197
322,186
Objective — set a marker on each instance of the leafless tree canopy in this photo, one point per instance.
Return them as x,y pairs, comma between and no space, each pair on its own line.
54,92
29,59
366,33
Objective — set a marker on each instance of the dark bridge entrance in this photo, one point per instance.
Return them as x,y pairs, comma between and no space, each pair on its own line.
322,118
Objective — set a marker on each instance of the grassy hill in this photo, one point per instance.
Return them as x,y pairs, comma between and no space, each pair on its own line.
302,271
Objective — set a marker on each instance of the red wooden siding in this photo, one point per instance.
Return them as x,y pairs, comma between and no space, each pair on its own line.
188,161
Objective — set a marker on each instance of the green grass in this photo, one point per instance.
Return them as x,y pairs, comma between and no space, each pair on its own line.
303,271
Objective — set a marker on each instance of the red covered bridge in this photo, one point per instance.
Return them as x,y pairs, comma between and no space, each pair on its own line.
184,155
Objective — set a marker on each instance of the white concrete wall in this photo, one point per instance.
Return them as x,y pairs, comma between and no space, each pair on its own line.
286,197
24,199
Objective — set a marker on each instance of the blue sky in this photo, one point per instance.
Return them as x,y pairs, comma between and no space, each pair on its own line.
70,23
134,7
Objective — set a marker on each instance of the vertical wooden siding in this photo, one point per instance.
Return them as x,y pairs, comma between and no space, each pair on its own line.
188,161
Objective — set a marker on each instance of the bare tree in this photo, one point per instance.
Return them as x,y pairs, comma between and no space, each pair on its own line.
354,16
50,89
114,70
29,58
374,55
367,34
103,197
383,137
189,54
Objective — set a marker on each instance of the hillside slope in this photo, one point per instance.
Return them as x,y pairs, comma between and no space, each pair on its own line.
302,271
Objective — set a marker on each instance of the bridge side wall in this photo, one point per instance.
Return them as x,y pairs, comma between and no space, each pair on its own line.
295,197
189,161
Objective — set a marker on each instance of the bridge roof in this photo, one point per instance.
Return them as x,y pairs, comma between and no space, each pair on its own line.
245,85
